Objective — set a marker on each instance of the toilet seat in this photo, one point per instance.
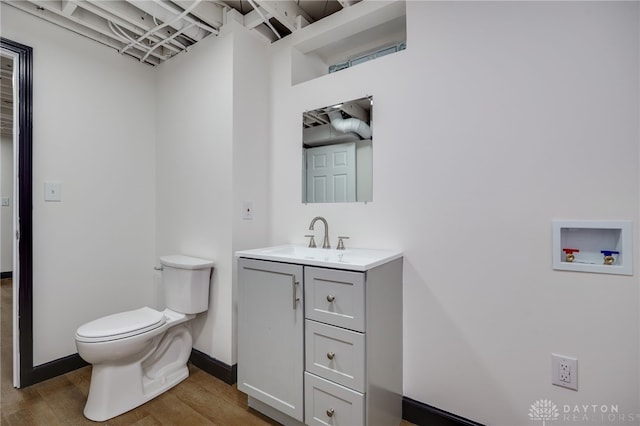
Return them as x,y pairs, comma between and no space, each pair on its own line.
120,325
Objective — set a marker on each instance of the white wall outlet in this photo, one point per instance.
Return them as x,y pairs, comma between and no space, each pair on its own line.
247,210
564,371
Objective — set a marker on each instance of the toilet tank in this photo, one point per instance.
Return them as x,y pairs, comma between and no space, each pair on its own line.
186,283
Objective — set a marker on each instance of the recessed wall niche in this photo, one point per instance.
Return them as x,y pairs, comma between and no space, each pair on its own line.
593,246
346,35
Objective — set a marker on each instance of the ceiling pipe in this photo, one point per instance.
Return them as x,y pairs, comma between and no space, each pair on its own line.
116,30
266,21
159,27
121,16
349,124
326,134
164,11
155,46
55,16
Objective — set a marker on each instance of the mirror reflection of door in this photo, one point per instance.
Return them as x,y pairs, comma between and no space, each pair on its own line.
331,173
337,153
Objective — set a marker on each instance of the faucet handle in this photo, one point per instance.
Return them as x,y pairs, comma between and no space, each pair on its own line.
312,241
341,243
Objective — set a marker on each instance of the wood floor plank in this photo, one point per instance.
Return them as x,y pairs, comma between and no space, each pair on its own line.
170,410
36,414
64,399
200,400
219,402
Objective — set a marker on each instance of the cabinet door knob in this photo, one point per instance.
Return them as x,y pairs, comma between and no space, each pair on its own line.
331,355
330,412
331,298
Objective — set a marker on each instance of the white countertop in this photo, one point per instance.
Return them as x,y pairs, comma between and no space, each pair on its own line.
354,259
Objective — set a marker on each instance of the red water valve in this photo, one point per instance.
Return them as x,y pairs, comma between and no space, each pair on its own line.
569,256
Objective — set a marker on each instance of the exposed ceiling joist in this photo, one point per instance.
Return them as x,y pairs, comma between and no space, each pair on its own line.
153,31
175,18
286,12
114,13
346,3
254,18
68,7
49,11
265,33
207,11
254,21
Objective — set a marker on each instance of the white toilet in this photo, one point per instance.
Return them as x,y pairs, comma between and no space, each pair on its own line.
139,354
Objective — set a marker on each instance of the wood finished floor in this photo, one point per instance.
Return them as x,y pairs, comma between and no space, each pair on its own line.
199,400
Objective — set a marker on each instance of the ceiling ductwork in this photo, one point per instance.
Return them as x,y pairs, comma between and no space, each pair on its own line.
345,125
326,134
153,31
345,122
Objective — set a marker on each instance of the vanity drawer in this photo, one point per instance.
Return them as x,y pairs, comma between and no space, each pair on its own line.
335,297
335,353
327,403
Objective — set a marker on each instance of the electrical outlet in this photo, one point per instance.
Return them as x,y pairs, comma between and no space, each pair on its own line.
564,371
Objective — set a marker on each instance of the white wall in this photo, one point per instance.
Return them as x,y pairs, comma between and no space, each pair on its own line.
6,212
93,131
479,123
193,206
211,150
498,118
95,116
250,149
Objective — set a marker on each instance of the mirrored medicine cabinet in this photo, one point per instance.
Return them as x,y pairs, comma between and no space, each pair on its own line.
337,153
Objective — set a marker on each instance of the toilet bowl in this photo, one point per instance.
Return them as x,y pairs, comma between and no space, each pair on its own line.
137,355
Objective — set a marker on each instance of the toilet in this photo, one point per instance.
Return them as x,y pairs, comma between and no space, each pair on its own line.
139,354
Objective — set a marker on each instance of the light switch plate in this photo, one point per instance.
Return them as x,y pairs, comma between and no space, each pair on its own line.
5,201
247,210
52,191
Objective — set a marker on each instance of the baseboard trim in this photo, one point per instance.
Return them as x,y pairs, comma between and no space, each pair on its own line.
425,415
413,411
58,367
54,368
5,275
226,373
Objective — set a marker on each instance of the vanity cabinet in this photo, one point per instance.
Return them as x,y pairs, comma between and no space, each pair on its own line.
270,334
336,359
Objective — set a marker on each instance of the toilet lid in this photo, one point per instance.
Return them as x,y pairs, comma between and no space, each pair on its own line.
121,325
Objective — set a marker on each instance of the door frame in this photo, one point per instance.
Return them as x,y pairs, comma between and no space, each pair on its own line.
23,256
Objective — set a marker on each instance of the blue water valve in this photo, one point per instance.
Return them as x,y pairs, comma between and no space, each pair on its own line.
608,256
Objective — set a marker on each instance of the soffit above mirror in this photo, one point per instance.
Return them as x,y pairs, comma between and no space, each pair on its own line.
153,31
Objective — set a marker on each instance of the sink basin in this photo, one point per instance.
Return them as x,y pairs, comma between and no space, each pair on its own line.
355,259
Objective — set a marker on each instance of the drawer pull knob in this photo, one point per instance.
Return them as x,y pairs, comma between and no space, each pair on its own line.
331,298
331,355
330,412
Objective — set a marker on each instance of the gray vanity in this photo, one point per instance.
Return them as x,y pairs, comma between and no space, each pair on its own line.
320,334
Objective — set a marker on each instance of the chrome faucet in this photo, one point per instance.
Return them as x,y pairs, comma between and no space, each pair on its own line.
325,243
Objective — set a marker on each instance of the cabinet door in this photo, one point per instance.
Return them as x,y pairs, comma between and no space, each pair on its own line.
270,334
